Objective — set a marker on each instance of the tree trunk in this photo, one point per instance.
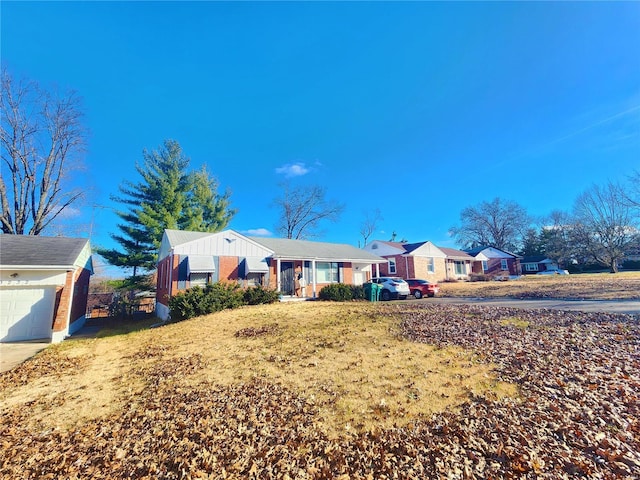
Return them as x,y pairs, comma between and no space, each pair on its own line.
613,266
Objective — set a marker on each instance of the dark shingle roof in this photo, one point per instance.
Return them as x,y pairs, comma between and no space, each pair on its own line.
37,250
305,249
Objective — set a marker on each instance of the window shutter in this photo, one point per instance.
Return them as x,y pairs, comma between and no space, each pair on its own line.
182,272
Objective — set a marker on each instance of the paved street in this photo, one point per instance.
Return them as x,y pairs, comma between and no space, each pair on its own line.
631,307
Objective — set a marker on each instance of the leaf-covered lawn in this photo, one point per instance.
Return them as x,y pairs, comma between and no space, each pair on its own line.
177,410
588,286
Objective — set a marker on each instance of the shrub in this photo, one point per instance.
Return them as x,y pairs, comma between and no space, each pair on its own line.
258,295
479,277
357,292
190,303
198,301
337,292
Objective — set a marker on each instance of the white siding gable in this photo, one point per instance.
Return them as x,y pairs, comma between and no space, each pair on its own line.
382,249
227,243
428,250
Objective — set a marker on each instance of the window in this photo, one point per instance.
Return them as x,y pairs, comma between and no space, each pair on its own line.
327,272
504,265
485,266
255,279
431,266
198,279
461,268
531,267
392,265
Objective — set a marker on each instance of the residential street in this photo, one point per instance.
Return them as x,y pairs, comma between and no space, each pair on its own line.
631,307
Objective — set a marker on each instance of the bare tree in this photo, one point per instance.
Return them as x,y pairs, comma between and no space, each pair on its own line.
632,193
41,138
605,226
302,209
501,224
556,238
370,224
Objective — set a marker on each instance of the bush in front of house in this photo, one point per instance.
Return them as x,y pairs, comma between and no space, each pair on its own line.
337,292
357,292
259,295
198,301
190,303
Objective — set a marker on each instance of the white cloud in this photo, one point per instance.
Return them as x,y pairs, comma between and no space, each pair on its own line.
258,232
293,170
70,212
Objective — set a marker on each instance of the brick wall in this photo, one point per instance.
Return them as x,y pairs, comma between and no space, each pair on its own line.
228,267
163,292
63,297
80,294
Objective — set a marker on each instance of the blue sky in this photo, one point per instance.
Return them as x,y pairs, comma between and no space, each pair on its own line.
419,109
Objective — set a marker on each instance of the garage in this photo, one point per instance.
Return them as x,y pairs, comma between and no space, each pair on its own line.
27,313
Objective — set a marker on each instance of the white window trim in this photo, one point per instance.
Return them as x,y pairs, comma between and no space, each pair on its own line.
392,266
431,265
504,264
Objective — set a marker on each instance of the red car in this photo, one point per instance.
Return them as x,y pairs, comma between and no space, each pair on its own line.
420,288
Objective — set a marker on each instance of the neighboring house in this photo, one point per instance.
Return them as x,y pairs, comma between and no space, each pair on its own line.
459,264
536,264
493,261
44,282
420,260
187,259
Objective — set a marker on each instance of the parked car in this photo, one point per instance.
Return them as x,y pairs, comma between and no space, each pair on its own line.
554,271
392,287
419,288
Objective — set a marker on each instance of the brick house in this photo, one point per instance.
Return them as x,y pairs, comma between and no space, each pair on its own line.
420,260
495,262
44,282
188,258
536,263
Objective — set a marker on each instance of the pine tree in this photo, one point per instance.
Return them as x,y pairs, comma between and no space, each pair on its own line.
168,196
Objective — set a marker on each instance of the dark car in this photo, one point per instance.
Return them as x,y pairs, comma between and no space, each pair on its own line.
419,288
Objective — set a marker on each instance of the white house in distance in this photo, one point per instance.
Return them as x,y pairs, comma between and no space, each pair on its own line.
188,258
44,282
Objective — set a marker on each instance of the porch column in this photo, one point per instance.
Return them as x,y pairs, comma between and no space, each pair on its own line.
313,277
377,269
278,279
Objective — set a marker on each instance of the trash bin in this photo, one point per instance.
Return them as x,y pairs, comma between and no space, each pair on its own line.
371,291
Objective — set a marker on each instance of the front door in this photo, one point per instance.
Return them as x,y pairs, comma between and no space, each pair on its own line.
286,278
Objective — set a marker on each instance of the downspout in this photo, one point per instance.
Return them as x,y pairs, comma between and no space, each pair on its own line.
278,279
406,267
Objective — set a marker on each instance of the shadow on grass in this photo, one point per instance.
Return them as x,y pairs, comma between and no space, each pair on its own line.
112,326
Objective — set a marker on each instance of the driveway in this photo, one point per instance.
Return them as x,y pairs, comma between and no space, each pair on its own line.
13,354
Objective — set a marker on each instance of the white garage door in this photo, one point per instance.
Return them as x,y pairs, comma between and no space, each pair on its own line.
26,313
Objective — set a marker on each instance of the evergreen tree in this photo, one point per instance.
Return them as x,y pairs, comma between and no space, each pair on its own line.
168,196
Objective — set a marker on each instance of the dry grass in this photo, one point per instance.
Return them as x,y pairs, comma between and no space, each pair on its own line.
345,359
589,286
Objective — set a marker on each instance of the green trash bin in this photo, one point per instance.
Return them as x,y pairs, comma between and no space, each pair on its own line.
371,291
377,288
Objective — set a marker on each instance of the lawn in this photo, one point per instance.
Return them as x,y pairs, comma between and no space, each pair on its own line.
334,390
587,286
